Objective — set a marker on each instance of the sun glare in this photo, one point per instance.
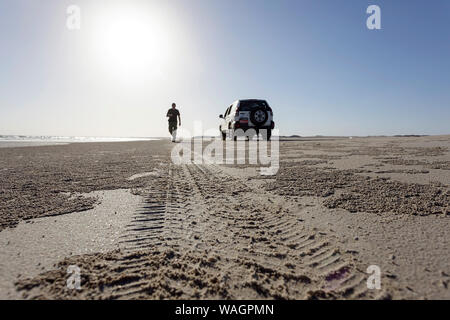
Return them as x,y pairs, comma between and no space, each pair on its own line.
129,42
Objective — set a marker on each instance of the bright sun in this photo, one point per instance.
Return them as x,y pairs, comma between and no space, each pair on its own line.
131,42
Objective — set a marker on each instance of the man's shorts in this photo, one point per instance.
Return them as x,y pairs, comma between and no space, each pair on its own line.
172,126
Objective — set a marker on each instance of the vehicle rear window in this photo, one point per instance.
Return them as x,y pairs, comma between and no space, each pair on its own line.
249,105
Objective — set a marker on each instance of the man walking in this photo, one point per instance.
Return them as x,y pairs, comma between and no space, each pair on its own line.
172,114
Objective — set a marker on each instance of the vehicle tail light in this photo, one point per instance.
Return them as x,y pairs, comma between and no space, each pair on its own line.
272,125
237,111
237,125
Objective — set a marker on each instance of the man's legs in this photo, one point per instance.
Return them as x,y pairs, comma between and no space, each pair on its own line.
173,130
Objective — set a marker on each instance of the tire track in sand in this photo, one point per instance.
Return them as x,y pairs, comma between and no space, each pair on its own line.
277,240
204,233
165,221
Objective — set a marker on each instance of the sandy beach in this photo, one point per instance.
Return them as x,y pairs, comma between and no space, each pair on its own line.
140,227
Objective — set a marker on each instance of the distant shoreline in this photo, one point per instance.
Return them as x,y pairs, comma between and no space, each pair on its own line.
17,141
14,141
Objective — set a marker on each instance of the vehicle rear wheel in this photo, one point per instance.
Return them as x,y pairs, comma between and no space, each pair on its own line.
259,116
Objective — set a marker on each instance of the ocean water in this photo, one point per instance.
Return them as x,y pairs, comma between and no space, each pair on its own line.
8,141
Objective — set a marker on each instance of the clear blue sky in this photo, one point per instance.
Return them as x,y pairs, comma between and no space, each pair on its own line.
315,62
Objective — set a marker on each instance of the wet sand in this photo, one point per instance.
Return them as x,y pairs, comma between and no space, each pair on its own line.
335,207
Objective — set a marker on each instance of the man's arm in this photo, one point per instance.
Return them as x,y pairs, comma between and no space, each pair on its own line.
179,119
168,113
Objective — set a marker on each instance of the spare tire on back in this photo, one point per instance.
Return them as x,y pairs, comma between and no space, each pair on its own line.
259,116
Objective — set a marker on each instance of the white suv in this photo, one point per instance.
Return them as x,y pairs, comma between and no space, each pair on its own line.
243,115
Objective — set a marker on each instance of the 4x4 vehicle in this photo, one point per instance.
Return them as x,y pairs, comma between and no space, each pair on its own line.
247,114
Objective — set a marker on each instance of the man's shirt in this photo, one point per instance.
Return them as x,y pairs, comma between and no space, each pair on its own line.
173,113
